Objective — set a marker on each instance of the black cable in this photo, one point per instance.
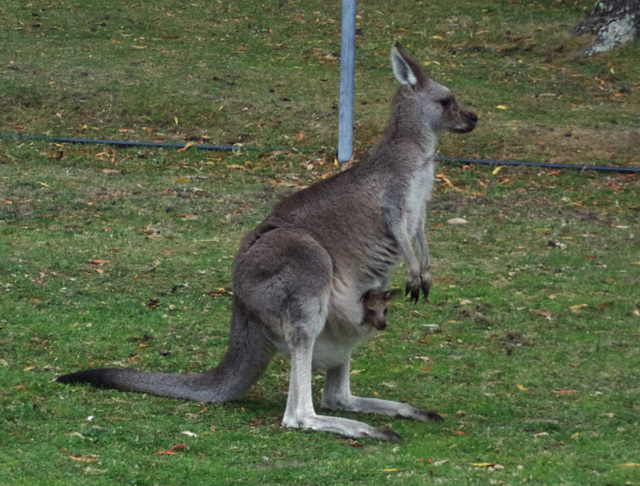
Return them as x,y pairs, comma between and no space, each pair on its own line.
543,165
133,144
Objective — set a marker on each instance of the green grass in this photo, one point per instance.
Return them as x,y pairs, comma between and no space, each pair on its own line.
264,74
122,257
534,364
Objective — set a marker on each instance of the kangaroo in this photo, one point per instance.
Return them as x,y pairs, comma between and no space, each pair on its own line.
299,276
375,307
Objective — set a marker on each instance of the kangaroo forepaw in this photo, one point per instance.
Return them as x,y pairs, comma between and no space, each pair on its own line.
425,285
413,292
415,286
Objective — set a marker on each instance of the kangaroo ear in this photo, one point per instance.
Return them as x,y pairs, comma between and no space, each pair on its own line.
365,296
405,69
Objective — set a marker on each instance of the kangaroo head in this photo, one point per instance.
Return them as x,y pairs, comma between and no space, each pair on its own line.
420,100
375,307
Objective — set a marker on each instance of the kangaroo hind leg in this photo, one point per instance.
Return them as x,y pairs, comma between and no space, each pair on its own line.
300,412
337,395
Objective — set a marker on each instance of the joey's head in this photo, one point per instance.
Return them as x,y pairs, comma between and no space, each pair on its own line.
375,307
424,104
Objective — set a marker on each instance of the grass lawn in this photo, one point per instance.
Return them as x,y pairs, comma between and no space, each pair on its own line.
122,257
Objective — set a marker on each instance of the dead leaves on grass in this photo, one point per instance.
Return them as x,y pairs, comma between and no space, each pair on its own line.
172,450
84,458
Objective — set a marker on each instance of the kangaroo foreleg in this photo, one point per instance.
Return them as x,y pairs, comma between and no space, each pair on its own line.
425,262
414,280
337,395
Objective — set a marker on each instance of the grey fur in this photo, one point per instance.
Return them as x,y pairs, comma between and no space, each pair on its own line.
298,278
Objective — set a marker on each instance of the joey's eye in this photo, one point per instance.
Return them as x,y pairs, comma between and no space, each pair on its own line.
385,312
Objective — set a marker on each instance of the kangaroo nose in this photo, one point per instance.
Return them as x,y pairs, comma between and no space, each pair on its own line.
473,117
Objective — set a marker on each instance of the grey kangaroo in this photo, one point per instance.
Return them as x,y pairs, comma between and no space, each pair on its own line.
299,276
375,307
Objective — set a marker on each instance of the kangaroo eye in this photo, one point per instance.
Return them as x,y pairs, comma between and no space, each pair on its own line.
446,102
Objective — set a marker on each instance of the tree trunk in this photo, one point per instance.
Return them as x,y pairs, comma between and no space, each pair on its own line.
613,21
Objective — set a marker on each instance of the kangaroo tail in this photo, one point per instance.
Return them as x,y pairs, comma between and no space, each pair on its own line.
246,360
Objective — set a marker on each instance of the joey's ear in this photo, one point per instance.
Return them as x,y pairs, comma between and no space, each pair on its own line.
390,294
405,69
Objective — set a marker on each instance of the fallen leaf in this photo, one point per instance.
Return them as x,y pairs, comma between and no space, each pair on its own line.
390,470
565,392
153,303
171,452
497,169
190,434
464,302
235,166
29,368
187,146
440,463
83,458
557,244
502,107
483,464
110,171
578,307
522,388
182,180
442,176
98,262
457,221
630,464
605,305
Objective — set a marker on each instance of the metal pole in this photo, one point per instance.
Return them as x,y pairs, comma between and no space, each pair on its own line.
347,75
